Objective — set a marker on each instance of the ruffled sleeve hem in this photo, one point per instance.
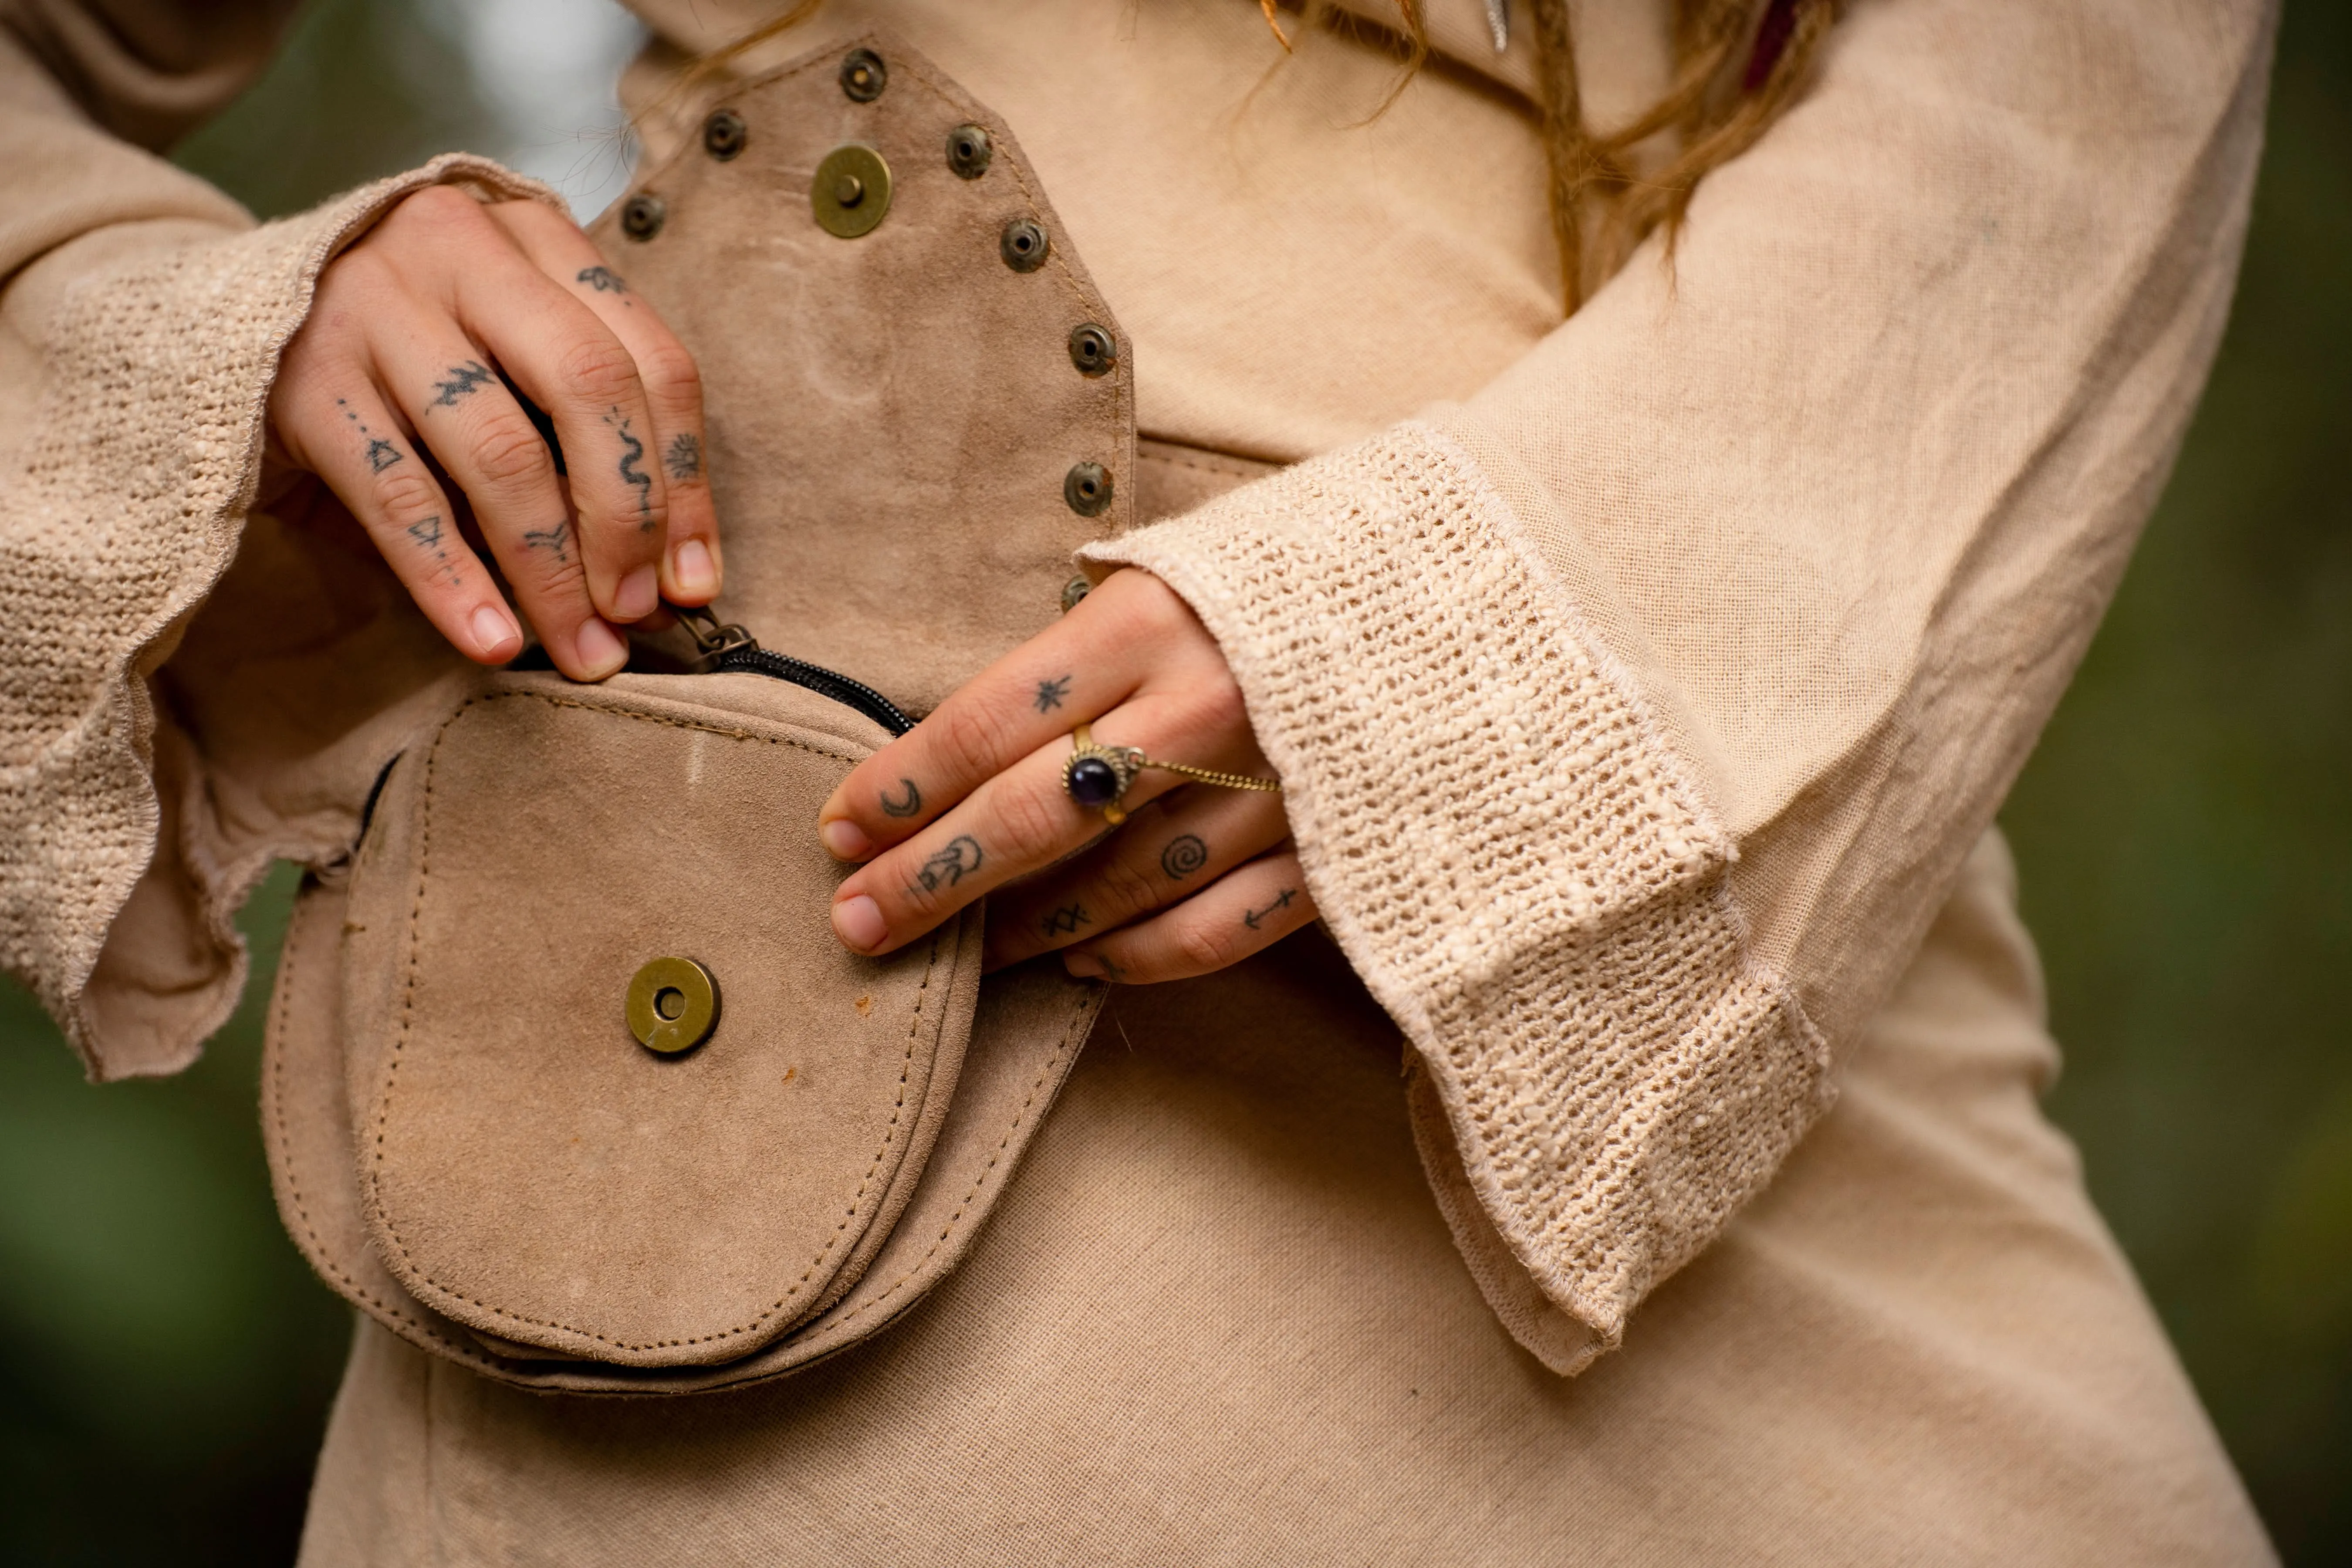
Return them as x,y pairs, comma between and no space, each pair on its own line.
120,511
1522,872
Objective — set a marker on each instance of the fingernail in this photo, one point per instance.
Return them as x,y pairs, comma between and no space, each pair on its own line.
496,635
691,567
1085,965
858,922
639,592
844,839
599,650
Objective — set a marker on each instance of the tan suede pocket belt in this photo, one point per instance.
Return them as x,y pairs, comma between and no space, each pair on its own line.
470,1142
913,420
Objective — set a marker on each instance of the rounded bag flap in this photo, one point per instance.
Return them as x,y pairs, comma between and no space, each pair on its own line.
910,427
617,1092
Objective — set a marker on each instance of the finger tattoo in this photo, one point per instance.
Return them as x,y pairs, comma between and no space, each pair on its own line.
947,868
553,539
633,453
1068,919
1185,855
603,279
464,381
380,453
906,807
1051,692
683,456
427,531
1250,917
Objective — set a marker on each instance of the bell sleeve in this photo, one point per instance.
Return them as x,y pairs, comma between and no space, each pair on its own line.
1636,715
142,315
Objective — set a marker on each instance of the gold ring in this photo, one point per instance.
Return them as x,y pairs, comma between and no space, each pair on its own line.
1098,776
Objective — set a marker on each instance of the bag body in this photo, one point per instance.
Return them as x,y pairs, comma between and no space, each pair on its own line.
567,1078
470,1142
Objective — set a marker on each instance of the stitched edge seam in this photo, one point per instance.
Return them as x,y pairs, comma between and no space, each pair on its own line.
304,1229
391,1065
963,1206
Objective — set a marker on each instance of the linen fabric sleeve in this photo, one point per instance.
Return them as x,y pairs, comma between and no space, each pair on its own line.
141,316
1635,715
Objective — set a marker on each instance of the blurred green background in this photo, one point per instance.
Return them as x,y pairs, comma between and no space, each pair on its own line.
2185,831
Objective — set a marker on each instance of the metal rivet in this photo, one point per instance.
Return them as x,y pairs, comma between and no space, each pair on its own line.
723,134
1086,487
851,193
641,216
969,151
863,75
1074,590
1024,246
1092,350
672,1005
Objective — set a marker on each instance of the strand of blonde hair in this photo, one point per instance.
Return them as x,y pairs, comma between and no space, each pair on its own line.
1738,65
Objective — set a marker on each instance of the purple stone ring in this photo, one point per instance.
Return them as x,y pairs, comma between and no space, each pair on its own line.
1098,777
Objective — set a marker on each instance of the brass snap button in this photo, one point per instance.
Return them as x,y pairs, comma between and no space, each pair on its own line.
641,216
1074,590
724,133
864,76
969,151
1022,246
673,1005
1087,488
1092,350
851,193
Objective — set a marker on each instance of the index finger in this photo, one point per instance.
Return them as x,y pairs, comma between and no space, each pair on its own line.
1064,676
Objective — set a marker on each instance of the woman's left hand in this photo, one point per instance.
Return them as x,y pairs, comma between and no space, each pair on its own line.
971,801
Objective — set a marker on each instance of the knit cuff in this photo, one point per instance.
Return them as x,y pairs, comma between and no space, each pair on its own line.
120,510
1516,863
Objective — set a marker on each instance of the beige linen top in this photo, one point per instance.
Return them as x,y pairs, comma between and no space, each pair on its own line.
1639,683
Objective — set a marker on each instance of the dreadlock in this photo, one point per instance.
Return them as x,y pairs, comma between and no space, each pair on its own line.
1737,65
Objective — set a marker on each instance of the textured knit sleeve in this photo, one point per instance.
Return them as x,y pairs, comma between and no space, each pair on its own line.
140,327
1635,715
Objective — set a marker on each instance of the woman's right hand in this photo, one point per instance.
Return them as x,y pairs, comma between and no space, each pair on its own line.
415,333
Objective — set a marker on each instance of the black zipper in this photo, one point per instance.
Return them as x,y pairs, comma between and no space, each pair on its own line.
753,659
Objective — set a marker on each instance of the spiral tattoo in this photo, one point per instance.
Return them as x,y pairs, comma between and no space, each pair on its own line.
1184,855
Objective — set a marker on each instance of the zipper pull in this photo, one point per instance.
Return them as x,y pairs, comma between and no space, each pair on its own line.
714,639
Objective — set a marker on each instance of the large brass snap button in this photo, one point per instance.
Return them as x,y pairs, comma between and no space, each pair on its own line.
864,76
641,216
673,1005
1092,350
724,133
851,194
1086,487
969,151
1023,244
1076,589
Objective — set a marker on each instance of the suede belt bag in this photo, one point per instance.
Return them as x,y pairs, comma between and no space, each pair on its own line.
912,421
468,1138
